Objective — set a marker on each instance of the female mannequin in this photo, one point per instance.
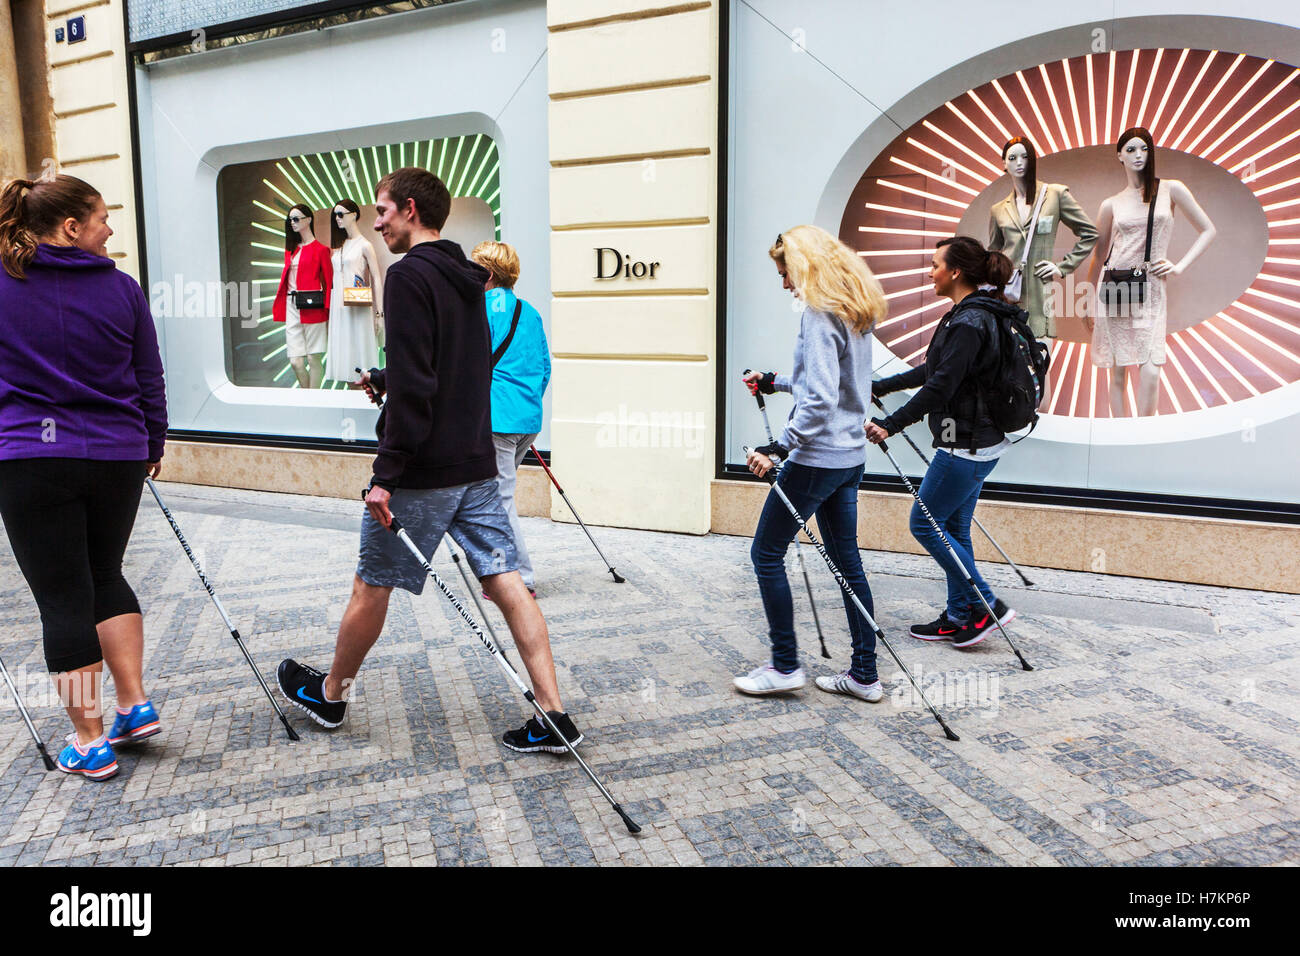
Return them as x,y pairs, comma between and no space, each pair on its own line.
1009,225
355,330
1135,334
306,269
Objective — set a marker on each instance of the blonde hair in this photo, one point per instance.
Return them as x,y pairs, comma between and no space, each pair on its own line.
499,259
830,276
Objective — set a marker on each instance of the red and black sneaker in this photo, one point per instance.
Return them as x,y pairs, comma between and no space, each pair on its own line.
941,629
981,622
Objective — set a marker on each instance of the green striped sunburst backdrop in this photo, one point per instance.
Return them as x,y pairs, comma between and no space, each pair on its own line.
469,165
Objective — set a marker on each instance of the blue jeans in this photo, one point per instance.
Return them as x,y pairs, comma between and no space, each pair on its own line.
832,495
951,490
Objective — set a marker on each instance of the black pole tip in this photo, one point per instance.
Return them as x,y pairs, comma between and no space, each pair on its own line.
826,654
948,730
1028,583
618,578
45,758
632,826
1025,664
288,728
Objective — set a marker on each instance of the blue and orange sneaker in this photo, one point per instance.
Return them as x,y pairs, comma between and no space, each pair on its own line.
138,723
96,761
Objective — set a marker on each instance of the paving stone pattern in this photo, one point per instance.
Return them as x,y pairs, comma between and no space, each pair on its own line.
1159,726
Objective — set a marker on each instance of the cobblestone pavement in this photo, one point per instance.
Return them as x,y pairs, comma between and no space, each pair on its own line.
1158,727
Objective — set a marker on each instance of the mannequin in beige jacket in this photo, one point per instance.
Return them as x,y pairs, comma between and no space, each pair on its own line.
1009,224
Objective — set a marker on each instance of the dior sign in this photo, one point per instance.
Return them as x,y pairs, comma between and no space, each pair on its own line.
612,264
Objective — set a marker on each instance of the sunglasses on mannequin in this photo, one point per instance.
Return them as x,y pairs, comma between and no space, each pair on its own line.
340,214
294,220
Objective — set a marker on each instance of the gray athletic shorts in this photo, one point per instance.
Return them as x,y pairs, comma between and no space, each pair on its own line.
472,513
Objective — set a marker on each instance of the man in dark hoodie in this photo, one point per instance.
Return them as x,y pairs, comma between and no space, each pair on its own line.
436,466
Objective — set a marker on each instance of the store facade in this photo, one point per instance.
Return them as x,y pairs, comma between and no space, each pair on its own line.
643,157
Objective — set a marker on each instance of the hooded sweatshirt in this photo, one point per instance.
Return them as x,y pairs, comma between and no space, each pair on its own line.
961,358
80,374
435,430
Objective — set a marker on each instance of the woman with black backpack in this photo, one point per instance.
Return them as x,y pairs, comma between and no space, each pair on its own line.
960,363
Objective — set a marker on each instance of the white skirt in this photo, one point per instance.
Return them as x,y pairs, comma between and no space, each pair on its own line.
303,340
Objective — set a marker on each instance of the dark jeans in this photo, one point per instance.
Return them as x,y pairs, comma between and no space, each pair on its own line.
832,495
951,490
69,520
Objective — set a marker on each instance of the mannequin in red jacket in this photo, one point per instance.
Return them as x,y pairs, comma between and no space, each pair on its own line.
306,269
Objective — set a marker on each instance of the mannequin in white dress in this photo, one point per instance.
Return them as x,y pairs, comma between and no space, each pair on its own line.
355,331
1137,340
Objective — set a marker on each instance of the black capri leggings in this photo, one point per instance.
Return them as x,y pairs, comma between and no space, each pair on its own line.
69,520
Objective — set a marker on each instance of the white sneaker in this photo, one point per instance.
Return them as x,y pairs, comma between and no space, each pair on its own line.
768,680
845,684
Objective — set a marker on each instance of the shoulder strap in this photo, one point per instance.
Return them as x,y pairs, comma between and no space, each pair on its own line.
1033,222
1151,218
514,325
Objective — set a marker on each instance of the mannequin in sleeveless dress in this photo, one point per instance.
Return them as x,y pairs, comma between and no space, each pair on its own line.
355,331
1138,340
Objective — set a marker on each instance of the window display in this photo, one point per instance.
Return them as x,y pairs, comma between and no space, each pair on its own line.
325,347
1191,395
937,172
227,149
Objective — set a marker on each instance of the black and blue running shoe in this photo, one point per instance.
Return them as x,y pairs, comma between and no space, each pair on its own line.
305,688
534,735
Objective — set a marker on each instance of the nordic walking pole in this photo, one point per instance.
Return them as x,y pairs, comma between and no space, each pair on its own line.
767,427
396,528
1028,583
880,635
943,537
40,744
288,728
455,556
618,578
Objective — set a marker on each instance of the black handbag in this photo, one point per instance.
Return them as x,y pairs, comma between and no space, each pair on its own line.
309,299
1123,288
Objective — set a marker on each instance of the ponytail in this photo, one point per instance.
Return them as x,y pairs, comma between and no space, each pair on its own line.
997,271
979,266
31,210
17,244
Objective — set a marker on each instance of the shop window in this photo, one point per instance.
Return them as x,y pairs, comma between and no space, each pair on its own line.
255,200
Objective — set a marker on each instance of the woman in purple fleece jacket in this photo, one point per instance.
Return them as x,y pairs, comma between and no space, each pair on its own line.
83,415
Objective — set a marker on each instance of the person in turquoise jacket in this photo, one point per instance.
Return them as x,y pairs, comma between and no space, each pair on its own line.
520,375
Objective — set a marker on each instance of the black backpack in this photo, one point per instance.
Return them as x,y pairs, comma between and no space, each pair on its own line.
1011,395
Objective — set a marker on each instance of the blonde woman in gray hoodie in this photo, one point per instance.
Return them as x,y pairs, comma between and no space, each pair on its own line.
824,450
